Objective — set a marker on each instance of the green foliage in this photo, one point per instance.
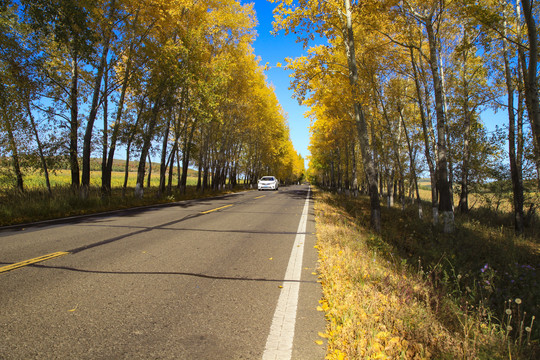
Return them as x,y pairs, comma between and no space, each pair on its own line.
67,21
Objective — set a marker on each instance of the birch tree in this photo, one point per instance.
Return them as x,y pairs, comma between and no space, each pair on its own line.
334,21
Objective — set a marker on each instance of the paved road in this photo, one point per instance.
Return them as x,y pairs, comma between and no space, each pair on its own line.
177,282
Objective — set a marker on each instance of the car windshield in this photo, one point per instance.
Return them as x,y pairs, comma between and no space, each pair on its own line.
267,178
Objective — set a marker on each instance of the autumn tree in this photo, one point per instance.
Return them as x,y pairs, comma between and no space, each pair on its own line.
530,71
134,35
12,76
430,17
502,27
68,25
21,85
179,77
105,33
334,21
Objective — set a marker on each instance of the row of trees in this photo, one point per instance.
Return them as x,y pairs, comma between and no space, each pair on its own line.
396,88
177,78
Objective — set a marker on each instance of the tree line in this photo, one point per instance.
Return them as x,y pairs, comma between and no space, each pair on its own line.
396,88
173,78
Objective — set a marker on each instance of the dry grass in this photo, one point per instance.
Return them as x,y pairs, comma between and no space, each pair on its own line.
476,201
35,204
497,201
34,180
389,299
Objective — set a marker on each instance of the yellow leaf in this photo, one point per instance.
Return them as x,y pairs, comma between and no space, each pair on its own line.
318,342
323,335
377,347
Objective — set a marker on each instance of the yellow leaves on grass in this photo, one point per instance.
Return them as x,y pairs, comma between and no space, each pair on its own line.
383,335
367,315
339,355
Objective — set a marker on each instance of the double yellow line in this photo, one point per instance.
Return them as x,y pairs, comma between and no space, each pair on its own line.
32,261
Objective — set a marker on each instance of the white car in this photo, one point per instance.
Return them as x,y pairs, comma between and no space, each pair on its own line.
268,182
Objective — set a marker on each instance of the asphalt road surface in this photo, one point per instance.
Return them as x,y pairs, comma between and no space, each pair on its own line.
224,278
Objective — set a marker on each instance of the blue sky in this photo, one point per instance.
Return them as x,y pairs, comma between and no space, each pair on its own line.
274,49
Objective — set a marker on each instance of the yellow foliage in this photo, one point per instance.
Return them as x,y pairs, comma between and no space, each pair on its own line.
366,315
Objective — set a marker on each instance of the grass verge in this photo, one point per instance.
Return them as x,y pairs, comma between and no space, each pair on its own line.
412,292
37,205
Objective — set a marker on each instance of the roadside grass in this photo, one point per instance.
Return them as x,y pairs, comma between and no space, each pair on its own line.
413,292
35,204
499,201
478,201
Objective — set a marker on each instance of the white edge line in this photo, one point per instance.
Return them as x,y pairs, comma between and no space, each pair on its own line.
280,340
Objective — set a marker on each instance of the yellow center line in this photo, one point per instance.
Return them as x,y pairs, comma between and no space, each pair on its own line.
32,261
219,208
258,197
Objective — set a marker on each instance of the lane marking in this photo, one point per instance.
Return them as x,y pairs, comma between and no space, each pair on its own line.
32,261
258,197
62,253
280,340
219,208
